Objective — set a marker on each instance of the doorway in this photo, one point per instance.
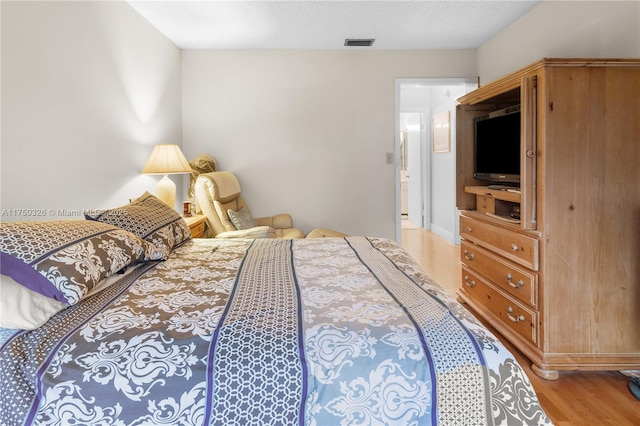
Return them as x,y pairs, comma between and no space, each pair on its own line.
412,134
425,180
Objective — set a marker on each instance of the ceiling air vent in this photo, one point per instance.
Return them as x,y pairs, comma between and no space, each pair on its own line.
359,42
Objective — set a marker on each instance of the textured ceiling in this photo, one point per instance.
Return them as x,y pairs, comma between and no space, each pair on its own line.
307,24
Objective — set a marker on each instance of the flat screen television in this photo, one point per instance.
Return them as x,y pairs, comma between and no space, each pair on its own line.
497,146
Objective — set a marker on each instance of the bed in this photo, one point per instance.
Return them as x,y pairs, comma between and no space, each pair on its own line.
149,326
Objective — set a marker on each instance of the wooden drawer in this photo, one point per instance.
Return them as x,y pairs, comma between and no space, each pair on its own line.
516,247
507,309
514,279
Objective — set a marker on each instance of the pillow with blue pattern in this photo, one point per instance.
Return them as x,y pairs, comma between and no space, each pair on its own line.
242,218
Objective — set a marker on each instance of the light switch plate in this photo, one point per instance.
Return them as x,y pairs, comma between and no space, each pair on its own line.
389,157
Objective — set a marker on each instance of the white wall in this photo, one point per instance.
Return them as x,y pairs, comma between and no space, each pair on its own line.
563,29
443,166
87,89
306,132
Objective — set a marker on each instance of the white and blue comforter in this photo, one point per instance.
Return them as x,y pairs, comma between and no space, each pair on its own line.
335,331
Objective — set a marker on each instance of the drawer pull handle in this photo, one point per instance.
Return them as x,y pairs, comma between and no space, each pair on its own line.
469,229
519,284
468,256
514,247
512,318
471,283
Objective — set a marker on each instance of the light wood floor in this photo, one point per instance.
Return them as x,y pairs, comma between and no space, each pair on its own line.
576,398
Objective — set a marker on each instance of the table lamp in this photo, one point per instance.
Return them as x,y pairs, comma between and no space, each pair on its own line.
165,160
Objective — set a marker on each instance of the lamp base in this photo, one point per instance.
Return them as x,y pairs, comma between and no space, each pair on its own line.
166,191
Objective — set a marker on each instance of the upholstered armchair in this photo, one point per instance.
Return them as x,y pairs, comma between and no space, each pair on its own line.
228,216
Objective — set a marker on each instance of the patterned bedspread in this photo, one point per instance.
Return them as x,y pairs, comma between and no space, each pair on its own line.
333,331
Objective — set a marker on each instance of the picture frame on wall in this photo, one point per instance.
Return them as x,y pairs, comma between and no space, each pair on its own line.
441,132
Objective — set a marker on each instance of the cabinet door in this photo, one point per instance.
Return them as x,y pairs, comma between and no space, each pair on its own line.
528,151
592,205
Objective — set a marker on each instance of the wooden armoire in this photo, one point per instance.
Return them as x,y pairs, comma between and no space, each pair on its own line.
562,283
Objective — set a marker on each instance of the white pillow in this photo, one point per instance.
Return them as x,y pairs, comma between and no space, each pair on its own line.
23,308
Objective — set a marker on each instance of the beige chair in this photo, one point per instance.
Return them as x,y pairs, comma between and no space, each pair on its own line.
325,233
219,192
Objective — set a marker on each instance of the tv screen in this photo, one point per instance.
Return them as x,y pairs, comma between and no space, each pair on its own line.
497,146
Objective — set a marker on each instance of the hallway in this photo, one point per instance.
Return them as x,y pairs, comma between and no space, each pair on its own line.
437,256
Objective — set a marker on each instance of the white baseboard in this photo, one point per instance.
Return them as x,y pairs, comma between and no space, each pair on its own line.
447,235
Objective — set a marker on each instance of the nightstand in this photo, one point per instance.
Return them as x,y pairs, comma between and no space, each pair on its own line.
197,225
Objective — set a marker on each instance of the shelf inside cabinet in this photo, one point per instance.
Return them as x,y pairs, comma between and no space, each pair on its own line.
499,194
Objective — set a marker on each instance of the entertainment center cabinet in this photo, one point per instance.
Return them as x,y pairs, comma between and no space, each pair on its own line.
562,283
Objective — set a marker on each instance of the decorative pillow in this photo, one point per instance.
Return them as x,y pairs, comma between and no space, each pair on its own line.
151,219
241,219
65,259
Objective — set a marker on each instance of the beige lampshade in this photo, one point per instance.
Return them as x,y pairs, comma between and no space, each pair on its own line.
166,159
